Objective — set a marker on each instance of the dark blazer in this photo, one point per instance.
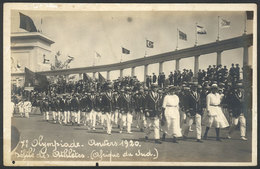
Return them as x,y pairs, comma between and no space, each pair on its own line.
107,102
91,101
237,103
115,102
83,104
67,105
126,103
62,105
139,102
153,105
75,105
195,105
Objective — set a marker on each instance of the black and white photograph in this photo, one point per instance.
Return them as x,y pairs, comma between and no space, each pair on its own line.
130,84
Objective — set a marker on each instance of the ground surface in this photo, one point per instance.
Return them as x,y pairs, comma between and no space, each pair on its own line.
41,140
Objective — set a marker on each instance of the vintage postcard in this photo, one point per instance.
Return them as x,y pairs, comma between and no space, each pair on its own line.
130,84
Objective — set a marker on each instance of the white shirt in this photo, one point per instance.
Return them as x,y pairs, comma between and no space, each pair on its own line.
171,101
213,99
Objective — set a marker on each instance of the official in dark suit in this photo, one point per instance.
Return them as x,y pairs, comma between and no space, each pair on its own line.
194,112
154,78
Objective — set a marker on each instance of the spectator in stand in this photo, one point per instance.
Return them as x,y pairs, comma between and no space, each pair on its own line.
237,72
162,80
154,78
175,77
171,77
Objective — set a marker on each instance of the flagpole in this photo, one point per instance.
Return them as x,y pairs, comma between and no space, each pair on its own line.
41,25
145,47
177,39
218,29
196,34
245,23
94,58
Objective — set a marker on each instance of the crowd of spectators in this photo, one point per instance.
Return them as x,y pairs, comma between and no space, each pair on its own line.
214,74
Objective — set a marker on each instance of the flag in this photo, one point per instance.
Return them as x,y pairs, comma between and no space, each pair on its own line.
41,81
101,79
201,30
224,23
86,77
182,35
98,55
46,61
149,44
29,78
35,79
26,23
125,51
249,15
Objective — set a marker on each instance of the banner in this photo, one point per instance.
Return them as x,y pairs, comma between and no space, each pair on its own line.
26,23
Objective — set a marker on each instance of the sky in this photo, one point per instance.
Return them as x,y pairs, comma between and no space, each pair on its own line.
80,34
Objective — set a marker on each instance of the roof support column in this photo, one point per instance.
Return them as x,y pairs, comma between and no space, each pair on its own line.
108,75
145,72
219,57
245,56
94,75
133,71
121,73
196,66
160,67
177,66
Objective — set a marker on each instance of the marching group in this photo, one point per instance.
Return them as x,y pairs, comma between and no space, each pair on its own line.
164,110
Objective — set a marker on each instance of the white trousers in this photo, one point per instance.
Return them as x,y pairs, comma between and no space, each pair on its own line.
109,122
77,115
93,117
103,118
153,123
66,114
234,123
126,120
54,115
46,115
141,120
26,114
115,117
189,122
